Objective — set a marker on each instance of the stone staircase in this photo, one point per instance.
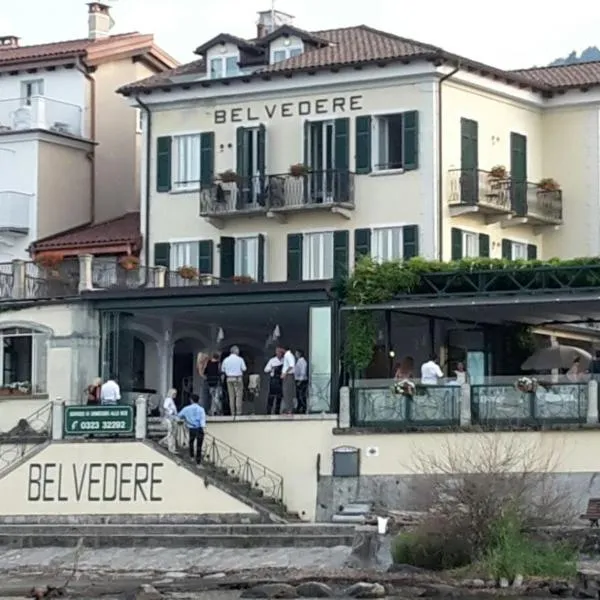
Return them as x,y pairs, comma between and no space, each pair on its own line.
233,472
38,534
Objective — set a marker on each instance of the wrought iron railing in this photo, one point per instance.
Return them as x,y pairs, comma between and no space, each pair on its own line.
275,193
373,404
551,403
237,466
107,275
27,435
475,187
544,205
50,282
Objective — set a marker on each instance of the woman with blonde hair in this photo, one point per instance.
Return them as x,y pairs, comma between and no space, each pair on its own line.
93,391
169,411
201,362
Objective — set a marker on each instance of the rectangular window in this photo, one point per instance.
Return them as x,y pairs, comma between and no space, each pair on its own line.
470,244
183,254
395,141
317,260
186,161
23,361
29,89
518,251
387,244
246,257
224,66
285,53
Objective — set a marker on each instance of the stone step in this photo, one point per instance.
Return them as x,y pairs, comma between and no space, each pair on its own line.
41,539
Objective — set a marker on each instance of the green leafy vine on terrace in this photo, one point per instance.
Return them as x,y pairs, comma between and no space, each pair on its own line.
377,283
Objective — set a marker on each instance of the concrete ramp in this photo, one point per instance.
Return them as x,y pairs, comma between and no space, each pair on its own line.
113,478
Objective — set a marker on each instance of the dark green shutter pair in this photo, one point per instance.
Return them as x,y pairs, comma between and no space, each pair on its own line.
410,142
341,145
162,256
507,250
456,241
242,154
341,258
227,257
410,242
164,161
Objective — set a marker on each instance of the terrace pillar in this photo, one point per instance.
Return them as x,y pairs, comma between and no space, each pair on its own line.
592,411
85,272
141,417
58,419
344,414
465,405
18,282
160,275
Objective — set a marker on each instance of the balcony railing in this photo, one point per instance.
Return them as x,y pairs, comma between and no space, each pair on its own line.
544,206
15,211
39,112
477,188
316,190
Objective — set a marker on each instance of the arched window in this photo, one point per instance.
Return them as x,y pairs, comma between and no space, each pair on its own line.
22,361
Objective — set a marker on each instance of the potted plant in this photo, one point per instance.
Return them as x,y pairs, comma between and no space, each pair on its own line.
242,279
403,388
129,263
298,170
526,385
548,185
188,272
229,176
498,172
49,260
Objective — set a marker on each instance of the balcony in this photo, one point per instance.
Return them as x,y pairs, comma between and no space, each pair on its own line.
38,112
278,196
534,205
477,191
15,211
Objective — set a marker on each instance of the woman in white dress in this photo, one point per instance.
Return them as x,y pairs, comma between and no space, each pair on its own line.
169,411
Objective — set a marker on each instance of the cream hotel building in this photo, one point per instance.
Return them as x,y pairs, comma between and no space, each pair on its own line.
286,156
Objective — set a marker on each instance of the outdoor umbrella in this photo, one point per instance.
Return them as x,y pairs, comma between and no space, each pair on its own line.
555,357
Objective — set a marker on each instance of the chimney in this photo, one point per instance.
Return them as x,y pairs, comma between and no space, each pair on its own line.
8,41
99,20
270,20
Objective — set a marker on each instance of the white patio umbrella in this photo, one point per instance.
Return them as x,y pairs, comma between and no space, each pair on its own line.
556,357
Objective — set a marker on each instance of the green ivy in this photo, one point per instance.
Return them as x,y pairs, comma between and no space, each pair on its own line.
378,283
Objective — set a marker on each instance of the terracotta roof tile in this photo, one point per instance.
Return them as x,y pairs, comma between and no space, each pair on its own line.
125,229
564,76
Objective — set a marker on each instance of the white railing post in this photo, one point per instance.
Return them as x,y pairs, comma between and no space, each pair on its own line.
141,417
18,284
592,411
85,272
465,405
344,414
58,419
160,276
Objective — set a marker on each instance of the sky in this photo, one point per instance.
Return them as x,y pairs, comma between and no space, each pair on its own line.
509,35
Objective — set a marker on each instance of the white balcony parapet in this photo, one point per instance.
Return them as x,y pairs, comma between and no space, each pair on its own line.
15,211
39,112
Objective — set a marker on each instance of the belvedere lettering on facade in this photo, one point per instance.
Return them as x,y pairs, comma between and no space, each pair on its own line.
303,108
95,482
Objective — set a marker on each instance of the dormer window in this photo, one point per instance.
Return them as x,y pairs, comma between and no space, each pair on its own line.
285,53
224,66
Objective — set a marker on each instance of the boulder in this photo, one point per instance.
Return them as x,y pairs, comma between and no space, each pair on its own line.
406,569
147,592
363,589
271,590
439,590
561,588
586,585
314,589
365,546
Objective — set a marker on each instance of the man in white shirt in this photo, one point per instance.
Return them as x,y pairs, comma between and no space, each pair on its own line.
301,378
110,392
430,371
289,385
274,369
234,367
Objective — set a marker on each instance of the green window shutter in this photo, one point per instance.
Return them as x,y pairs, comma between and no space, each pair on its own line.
294,257
341,242
260,275
306,158
457,243
506,249
207,158
262,147
162,254
363,144
205,257
410,241
163,164
531,252
411,140
484,245
362,243
227,249
342,144
240,138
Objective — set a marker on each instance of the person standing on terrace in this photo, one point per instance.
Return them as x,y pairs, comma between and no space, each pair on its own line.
110,392
234,367
430,371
